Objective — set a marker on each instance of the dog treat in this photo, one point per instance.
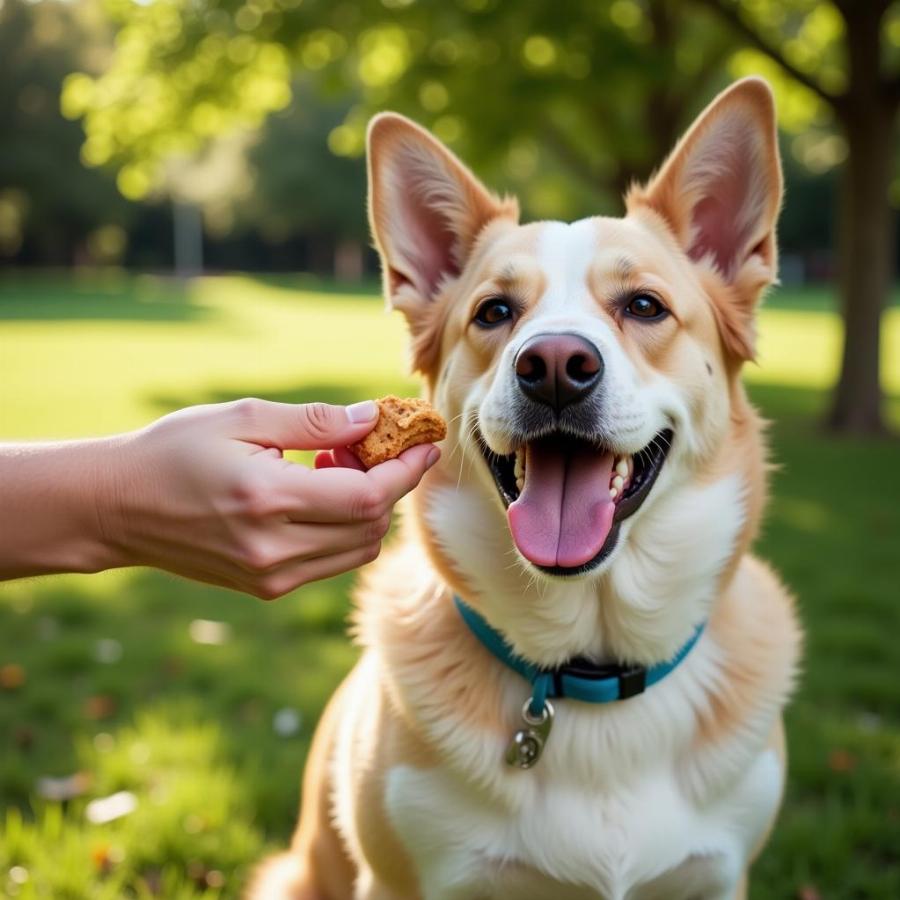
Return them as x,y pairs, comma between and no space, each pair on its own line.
402,423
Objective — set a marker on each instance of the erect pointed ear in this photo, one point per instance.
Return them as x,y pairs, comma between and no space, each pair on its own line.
426,210
720,192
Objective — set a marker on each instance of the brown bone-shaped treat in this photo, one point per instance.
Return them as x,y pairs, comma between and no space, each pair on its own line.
402,423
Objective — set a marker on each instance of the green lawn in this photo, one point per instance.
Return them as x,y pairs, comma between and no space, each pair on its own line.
115,686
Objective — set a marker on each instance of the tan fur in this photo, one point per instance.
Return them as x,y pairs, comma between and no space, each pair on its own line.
317,867
423,675
753,662
438,175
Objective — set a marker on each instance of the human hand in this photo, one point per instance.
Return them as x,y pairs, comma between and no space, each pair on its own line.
206,493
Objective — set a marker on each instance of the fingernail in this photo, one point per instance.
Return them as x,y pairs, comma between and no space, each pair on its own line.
361,412
432,457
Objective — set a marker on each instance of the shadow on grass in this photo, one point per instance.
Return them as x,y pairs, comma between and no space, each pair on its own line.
304,281
114,298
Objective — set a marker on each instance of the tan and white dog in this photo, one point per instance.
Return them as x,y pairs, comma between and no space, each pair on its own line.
603,480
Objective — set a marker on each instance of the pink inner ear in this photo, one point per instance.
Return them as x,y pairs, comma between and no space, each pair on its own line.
428,244
723,218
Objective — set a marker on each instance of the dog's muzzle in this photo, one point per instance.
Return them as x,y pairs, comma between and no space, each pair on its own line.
558,369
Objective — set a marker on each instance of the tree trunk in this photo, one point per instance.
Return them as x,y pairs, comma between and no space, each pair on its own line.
187,223
865,233
348,260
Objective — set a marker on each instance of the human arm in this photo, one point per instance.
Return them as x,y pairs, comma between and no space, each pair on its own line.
206,493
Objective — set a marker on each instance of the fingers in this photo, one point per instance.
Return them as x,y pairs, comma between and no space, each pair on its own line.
333,493
399,476
289,543
281,582
302,426
328,494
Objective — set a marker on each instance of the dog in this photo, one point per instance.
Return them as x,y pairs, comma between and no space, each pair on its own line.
586,533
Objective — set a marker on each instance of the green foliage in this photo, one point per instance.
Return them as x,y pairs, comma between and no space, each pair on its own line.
565,103
300,185
527,92
182,73
189,727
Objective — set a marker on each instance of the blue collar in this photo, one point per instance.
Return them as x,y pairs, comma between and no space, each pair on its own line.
578,679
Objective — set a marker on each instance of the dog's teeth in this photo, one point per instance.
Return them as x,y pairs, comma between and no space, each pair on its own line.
519,469
613,492
618,483
622,467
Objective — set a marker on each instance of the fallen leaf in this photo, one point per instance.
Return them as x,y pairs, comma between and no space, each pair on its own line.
100,706
18,874
65,788
209,631
286,722
842,761
107,651
103,857
12,677
108,809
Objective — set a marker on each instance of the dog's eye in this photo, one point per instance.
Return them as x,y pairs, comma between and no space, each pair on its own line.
645,306
493,312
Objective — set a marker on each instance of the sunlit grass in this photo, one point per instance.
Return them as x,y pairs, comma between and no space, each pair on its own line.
116,687
88,358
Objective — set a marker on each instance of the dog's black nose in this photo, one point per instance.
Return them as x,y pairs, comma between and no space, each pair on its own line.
558,369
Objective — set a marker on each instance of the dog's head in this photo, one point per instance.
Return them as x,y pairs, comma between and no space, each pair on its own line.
589,370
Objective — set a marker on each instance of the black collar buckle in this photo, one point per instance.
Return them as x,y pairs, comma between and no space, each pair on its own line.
632,679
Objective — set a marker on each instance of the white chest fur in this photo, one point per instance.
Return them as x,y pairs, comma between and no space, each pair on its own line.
638,842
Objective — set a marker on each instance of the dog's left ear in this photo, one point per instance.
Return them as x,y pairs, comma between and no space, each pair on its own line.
720,193
426,210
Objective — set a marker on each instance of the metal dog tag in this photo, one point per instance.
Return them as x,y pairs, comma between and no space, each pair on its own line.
527,744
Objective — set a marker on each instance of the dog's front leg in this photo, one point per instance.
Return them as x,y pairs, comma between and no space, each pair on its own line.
368,887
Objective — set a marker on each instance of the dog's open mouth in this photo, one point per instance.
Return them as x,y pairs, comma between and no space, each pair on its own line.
566,497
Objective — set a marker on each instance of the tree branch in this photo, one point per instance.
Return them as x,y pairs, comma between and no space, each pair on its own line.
729,13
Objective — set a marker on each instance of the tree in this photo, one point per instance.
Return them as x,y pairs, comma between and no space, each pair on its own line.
303,188
565,103
848,60
533,94
51,209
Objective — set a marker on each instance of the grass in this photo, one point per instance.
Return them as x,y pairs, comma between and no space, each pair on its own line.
114,686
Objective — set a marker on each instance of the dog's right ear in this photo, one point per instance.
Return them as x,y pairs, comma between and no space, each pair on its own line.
426,210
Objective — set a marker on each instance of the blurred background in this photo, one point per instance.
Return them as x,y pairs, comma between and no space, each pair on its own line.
182,220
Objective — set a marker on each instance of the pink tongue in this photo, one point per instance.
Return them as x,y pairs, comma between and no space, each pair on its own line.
564,513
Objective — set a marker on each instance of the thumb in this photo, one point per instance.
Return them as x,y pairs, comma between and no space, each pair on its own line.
310,426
